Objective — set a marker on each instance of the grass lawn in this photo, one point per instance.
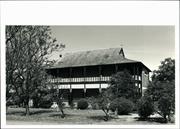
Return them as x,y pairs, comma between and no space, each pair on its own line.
73,116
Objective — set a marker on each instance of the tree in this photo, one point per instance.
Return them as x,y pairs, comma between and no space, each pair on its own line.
57,93
27,54
43,98
102,100
59,100
165,72
122,85
122,106
163,96
165,107
145,107
162,88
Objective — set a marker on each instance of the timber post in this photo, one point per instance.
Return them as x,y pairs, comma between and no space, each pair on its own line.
116,68
100,89
84,74
70,94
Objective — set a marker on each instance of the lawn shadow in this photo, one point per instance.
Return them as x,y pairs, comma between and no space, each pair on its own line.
40,112
22,113
19,113
153,119
99,118
60,115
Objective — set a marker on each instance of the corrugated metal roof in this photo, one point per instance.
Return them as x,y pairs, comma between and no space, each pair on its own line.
93,57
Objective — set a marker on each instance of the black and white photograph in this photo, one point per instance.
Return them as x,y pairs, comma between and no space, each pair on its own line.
89,75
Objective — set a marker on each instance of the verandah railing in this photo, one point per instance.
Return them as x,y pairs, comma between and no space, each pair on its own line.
86,79
80,79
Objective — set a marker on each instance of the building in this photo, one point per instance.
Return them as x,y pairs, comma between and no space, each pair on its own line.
87,73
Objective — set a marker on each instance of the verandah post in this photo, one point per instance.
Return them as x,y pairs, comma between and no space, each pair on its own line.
134,74
70,95
84,74
100,90
116,68
141,81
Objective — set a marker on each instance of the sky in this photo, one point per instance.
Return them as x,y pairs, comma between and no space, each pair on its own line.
148,44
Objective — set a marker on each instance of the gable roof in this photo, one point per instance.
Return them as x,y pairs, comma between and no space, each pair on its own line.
94,57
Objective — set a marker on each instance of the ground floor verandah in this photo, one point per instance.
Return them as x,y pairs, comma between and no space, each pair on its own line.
78,91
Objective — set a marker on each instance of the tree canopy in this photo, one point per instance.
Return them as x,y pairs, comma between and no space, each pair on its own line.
122,85
162,88
165,72
27,54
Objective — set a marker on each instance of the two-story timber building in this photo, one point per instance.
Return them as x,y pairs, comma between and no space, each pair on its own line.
87,73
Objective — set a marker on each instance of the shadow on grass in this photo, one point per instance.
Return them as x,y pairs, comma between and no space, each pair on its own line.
99,118
55,115
22,113
40,112
19,113
157,119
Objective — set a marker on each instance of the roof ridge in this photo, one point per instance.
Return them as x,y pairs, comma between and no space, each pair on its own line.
92,50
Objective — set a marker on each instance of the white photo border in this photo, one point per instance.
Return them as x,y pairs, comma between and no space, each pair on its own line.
88,13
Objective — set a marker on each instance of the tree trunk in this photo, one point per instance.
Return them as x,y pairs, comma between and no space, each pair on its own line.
107,115
169,118
116,112
27,107
165,118
60,108
19,104
60,103
63,115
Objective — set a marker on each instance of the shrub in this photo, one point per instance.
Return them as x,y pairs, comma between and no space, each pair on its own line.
82,104
145,107
123,106
113,105
45,102
95,106
165,106
92,101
